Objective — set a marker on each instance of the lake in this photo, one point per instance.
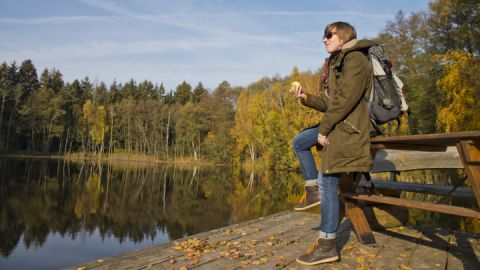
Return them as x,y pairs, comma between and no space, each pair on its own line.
56,213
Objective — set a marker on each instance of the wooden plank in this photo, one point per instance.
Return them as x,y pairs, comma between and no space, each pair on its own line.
439,139
463,251
162,253
420,188
441,208
468,151
431,251
290,252
232,252
409,146
360,224
289,234
354,255
472,155
348,183
397,253
276,224
265,250
388,160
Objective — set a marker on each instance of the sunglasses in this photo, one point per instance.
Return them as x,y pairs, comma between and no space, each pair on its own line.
329,35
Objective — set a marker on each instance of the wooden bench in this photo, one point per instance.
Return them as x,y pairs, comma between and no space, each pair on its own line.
400,153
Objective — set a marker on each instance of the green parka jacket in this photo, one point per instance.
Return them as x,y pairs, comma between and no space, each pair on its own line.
345,121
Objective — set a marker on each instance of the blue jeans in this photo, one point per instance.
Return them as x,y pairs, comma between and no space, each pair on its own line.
329,205
301,144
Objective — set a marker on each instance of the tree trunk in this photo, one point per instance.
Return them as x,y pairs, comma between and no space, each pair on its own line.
103,142
8,130
4,97
111,131
66,142
168,133
252,152
194,151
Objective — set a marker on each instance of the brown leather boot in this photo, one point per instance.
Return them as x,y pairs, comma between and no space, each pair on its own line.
310,198
322,251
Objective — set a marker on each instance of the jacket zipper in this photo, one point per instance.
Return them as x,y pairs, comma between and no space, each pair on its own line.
351,125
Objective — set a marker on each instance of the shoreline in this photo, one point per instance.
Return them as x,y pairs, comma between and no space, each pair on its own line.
119,158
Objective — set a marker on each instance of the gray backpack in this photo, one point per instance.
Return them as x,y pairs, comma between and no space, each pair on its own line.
386,101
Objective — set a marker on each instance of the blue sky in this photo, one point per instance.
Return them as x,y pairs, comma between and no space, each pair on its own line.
170,41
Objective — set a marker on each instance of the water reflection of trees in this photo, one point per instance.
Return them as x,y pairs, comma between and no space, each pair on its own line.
257,194
130,202
42,197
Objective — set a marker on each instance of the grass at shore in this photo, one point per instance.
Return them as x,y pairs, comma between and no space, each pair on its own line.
121,157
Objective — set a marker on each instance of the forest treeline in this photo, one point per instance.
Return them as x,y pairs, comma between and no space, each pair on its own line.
436,54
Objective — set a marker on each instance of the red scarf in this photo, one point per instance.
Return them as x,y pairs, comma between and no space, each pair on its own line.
325,74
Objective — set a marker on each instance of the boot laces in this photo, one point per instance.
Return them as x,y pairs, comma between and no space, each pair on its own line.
304,197
312,248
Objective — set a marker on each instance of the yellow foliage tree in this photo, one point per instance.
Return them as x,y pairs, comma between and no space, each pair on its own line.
460,89
96,120
268,117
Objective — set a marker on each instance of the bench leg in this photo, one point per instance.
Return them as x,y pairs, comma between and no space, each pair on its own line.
360,224
348,183
470,155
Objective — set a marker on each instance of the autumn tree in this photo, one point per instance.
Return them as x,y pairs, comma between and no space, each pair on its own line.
455,25
198,93
460,88
183,93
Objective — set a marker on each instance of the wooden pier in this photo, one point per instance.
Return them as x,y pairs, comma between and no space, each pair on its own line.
273,242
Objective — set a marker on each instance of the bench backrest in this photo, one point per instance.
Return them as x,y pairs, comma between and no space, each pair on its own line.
387,160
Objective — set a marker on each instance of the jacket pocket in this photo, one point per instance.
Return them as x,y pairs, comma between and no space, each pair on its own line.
349,127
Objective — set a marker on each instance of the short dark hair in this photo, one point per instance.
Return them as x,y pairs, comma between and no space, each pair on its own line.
344,31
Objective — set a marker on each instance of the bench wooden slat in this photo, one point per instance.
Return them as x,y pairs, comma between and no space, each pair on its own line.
420,188
441,208
443,139
403,160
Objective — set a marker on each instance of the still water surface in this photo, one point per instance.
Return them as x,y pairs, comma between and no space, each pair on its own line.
55,213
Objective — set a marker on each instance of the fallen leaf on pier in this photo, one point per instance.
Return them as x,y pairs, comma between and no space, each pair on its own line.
281,258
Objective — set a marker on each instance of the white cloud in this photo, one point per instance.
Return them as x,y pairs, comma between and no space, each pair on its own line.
95,49
322,13
109,6
55,20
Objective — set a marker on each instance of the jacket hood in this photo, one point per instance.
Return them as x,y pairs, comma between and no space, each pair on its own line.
356,44
352,45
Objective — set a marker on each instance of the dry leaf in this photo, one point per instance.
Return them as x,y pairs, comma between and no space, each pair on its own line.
403,255
256,262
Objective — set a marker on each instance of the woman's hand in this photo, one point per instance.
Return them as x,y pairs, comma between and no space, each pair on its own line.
322,140
297,90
